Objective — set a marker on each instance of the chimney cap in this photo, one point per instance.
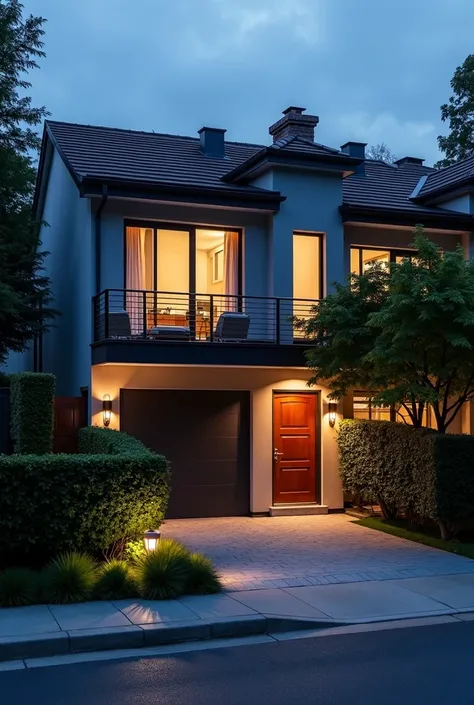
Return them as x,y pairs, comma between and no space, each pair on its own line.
409,160
294,109
211,129
352,142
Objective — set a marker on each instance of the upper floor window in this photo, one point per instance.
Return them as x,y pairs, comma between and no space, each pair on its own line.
362,258
190,275
183,260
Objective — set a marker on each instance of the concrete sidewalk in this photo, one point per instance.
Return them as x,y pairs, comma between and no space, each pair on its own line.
50,630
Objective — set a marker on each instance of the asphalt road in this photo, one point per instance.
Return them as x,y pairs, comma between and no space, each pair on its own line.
416,666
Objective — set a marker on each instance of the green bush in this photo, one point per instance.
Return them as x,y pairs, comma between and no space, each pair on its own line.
202,577
162,574
94,440
426,475
134,550
69,578
115,582
32,407
55,503
18,587
379,460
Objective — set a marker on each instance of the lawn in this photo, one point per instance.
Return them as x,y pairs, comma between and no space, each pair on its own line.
400,528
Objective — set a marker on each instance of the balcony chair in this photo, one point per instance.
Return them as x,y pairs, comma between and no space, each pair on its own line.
119,325
232,327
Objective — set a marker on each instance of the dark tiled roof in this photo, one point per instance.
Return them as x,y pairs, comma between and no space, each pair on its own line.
385,186
299,144
154,158
103,152
450,176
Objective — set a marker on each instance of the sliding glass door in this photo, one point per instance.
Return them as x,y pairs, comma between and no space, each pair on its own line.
190,275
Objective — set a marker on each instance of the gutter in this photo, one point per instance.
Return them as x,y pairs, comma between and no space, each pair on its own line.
98,237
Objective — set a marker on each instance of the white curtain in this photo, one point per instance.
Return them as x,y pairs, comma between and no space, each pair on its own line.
231,270
135,278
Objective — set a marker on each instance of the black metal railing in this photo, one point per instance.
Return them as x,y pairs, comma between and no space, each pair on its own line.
121,314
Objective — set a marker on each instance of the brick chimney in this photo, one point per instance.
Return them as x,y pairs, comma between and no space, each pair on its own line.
294,123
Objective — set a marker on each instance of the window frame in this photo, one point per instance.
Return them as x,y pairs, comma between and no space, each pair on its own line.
190,228
320,236
393,412
393,253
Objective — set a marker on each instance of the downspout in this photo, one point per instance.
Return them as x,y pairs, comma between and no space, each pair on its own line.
98,237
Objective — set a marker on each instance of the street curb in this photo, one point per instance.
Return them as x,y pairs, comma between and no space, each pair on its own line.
111,638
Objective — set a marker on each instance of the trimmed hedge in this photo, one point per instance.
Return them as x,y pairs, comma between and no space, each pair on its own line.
32,409
415,471
93,439
56,503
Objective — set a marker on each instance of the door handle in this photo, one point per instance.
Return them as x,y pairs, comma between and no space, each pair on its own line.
276,454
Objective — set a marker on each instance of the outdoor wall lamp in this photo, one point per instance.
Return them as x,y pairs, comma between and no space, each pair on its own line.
106,410
332,408
151,539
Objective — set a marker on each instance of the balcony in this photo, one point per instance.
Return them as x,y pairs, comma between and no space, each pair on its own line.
183,328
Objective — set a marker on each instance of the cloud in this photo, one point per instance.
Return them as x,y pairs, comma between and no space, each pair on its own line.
374,71
404,137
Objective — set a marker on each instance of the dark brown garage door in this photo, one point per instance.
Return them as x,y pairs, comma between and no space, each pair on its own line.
206,436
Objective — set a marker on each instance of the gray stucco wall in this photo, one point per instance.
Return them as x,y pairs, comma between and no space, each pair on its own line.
70,266
461,204
312,205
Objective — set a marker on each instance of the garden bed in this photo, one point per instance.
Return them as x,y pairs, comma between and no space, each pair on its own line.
402,529
167,572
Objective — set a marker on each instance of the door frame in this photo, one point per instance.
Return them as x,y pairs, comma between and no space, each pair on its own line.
317,439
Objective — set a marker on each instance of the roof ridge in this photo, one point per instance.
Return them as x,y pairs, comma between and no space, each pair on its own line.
144,132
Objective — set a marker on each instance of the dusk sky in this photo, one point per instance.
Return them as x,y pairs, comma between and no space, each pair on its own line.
373,70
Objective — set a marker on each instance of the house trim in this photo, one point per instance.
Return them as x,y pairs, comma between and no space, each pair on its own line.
198,353
383,216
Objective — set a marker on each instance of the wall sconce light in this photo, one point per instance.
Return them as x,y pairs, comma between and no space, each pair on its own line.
332,408
151,539
106,410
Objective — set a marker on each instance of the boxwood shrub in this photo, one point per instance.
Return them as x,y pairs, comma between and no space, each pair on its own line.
93,439
32,407
416,471
51,504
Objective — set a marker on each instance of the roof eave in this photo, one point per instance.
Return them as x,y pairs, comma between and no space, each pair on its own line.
395,216
257,199
268,158
444,190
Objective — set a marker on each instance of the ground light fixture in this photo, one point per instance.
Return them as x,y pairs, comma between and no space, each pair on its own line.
151,539
332,408
106,410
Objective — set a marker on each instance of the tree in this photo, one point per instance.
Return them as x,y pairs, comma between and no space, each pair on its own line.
381,152
459,112
24,290
406,335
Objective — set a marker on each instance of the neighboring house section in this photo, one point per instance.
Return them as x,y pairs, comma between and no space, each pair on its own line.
179,263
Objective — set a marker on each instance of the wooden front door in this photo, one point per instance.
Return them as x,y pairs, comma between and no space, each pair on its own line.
294,448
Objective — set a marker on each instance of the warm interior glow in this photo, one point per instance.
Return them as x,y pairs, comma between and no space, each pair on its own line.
306,267
210,262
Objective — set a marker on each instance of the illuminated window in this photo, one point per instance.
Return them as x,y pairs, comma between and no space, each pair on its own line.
363,258
364,409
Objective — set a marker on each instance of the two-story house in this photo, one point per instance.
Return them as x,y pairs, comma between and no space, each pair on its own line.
178,264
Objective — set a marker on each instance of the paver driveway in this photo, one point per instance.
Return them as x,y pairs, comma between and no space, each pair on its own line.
256,553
